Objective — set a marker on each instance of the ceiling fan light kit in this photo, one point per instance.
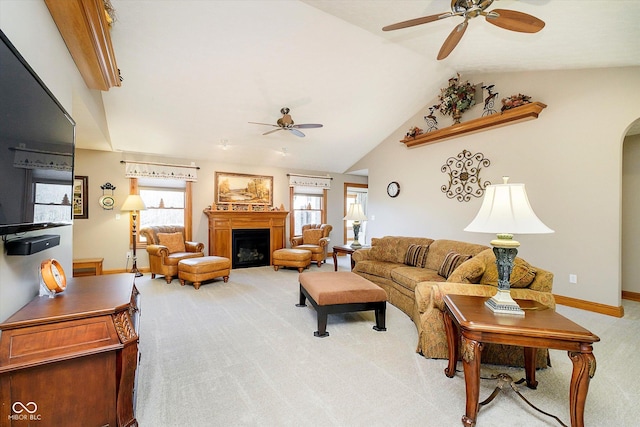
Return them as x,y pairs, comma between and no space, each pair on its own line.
287,123
469,9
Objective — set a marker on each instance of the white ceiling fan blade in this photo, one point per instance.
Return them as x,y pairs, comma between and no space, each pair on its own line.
266,124
272,131
296,132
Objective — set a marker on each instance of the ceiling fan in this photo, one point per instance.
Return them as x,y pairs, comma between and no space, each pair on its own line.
468,9
286,123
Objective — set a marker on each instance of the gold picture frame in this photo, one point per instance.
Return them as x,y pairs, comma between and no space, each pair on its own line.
243,189
80,198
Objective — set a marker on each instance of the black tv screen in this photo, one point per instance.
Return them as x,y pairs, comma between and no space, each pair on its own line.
37,138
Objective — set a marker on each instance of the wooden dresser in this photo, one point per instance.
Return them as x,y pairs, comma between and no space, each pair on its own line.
72,359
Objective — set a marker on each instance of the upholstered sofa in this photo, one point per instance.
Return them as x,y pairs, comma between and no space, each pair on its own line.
315,239
166,246
416,272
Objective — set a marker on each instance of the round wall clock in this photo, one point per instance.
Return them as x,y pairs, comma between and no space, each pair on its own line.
53,275
107,202
393,189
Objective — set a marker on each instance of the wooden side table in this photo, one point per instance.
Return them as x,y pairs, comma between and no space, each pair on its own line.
87,267
344,249
539,328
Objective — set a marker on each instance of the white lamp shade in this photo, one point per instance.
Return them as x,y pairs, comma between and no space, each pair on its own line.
506,209
133,202
355,213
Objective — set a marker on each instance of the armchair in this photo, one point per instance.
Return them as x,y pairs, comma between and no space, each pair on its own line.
315,238
166,246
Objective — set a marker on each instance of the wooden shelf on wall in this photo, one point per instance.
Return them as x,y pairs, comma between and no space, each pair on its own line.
509,117
85,30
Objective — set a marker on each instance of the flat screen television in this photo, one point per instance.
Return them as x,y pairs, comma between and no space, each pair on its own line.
37,140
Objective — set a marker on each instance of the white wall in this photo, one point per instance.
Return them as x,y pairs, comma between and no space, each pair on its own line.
103,235
570,159
42,47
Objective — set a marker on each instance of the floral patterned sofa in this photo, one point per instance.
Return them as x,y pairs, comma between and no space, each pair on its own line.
416,272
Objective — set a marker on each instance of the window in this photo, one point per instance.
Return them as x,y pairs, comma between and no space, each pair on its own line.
167,202
309,207
52,202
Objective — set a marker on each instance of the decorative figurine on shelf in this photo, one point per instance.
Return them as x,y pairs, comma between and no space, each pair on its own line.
457,98
489,101
432,122
414,131
515,101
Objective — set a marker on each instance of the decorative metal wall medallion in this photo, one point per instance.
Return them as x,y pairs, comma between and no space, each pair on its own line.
464,176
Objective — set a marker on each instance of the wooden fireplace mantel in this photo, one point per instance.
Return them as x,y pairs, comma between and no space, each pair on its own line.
222,224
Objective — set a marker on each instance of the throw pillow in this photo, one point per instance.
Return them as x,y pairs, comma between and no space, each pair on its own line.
312,236
416,255
451,261
173,241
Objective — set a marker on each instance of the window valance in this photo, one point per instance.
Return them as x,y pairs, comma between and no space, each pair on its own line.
36,159
160,170
322,182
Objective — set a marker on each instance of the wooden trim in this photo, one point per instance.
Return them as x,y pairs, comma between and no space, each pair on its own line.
83,26
631,296
609,310
508,117
188,212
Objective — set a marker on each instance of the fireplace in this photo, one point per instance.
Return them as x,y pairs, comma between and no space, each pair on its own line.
250,247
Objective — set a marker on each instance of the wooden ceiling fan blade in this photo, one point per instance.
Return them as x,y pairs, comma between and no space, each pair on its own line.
514,21
307,126
296,132
417,21
272,131
452,41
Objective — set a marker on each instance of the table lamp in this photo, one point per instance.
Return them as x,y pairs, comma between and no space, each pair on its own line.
506,211
356,215
133,204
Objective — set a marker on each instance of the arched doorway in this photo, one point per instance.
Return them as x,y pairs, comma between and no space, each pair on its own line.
630,240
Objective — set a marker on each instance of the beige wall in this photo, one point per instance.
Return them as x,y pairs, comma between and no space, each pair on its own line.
570,159
40,44
631,214
104,235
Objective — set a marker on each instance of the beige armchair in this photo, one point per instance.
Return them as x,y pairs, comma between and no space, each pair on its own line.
166,246
315,238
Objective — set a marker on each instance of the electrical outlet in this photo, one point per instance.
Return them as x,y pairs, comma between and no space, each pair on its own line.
573,278
128,254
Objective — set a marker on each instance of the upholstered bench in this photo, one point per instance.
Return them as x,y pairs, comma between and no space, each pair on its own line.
197,270
297,258
341,292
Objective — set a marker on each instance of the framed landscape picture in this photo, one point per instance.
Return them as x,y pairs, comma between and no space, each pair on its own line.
80,199
242,189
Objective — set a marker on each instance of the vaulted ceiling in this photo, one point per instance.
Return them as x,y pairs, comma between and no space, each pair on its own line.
197,71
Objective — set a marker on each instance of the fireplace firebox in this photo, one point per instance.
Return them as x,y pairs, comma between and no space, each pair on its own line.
250,247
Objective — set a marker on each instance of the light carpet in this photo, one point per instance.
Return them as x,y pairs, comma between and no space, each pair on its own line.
242,354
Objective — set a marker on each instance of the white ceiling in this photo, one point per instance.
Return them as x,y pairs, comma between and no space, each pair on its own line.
197,71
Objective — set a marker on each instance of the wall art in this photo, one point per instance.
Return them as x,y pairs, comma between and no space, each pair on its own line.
243,189
464,176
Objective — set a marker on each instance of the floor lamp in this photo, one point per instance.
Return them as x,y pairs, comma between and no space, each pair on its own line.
356,215
133,204
506,211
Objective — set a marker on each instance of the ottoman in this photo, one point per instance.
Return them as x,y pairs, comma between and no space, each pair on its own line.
297,258
197,270
341,292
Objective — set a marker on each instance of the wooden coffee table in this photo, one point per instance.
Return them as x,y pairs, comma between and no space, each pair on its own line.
344,249
539,328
